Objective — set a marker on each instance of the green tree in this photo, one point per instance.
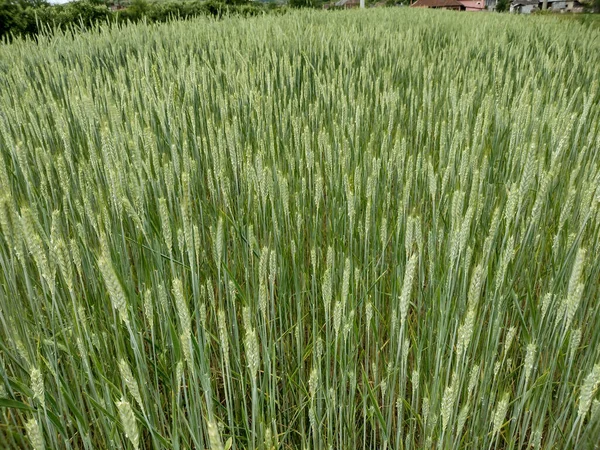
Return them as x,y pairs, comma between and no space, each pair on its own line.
10,13
138,8
303,3
502,5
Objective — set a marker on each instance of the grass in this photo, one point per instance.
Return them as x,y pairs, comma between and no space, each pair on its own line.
589,20
363,229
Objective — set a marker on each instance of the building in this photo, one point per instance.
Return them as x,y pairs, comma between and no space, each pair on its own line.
473,5
563,6
576,7
457,5
347,4
529,6
439,4
524,6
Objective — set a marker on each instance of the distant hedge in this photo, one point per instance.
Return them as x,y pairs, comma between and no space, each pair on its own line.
23,18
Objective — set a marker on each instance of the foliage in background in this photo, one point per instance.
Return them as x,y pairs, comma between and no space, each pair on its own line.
23,18
367,229
592,6
303,3
502,5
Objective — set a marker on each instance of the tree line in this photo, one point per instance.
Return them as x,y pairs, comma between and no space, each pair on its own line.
31,17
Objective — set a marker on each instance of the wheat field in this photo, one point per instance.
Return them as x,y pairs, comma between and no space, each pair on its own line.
352,230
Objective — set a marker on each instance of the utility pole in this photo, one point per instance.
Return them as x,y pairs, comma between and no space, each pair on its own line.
545,5
362,3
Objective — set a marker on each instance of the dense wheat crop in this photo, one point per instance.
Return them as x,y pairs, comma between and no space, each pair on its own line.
349,230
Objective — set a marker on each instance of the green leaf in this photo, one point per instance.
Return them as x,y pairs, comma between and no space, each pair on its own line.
57,422
9,403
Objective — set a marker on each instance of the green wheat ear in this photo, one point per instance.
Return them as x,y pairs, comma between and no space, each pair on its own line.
129,422
35,435
115,290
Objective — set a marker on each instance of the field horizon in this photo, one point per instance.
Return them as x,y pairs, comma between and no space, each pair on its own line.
363,229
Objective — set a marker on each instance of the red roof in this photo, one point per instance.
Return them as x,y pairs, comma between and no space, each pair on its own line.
437,4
